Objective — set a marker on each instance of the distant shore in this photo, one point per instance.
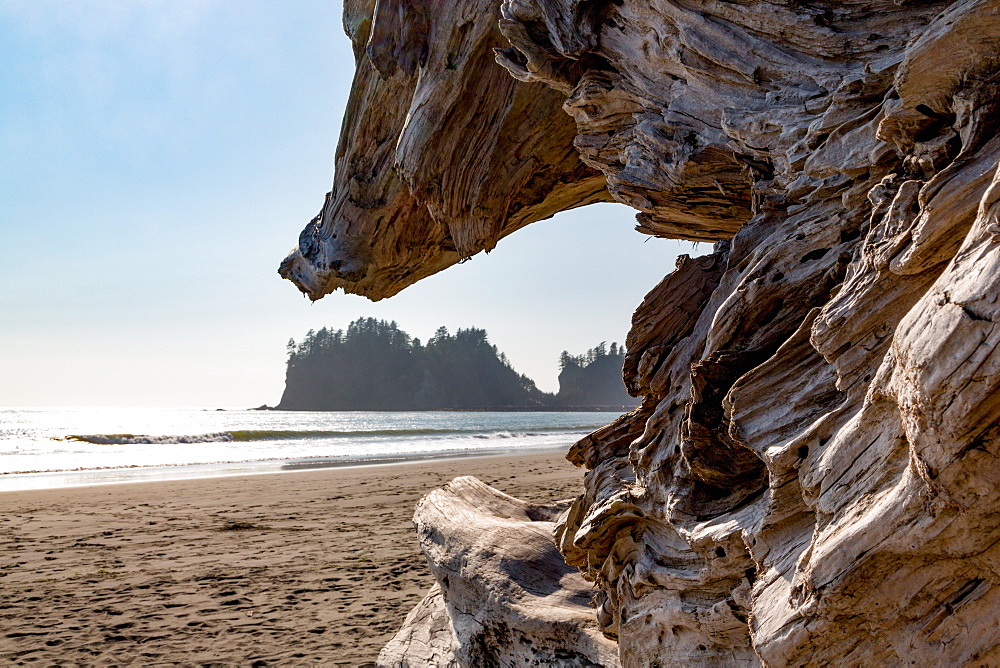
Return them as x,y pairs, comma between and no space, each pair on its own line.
315,568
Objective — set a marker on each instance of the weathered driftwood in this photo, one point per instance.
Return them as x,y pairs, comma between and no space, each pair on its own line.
812,476
504,597
441,153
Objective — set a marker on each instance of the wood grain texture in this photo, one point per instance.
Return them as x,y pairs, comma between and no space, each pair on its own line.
811,476
441,153
505,596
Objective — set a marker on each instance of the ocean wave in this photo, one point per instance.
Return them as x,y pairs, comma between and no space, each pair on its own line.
300,462
283,434
142,439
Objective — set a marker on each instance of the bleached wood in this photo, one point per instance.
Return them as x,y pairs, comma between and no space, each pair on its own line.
811,478
441,153
504,597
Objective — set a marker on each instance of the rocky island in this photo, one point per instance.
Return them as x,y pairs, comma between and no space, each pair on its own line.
811,477
376,366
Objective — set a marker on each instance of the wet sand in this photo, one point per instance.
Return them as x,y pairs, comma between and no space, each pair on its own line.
306,568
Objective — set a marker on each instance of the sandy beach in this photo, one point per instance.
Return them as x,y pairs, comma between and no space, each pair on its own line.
307,568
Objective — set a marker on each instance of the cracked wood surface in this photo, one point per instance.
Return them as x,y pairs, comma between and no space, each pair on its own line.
811,477
505,596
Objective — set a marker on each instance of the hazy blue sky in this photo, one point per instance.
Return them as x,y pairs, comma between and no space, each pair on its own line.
159,158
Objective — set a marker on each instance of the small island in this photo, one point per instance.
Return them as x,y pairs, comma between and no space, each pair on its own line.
373,365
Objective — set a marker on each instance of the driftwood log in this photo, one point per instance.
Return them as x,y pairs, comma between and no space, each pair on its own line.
505,596
812,477
441,153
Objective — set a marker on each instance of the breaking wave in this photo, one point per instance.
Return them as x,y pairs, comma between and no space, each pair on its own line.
281,434
141,439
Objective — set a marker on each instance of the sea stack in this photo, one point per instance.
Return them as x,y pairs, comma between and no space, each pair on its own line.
811,477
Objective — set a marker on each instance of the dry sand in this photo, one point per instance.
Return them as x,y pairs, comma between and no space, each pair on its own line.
316,567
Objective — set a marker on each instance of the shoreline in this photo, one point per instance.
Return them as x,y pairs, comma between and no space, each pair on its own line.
121,475
609,408
316,568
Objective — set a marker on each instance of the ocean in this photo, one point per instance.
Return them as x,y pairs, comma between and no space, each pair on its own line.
57,447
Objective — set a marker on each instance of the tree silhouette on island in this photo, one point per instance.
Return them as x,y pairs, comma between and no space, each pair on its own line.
376,366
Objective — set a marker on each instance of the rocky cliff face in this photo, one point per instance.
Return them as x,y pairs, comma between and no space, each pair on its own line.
812,475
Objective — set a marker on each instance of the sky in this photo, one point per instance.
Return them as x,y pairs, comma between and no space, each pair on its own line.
158,159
